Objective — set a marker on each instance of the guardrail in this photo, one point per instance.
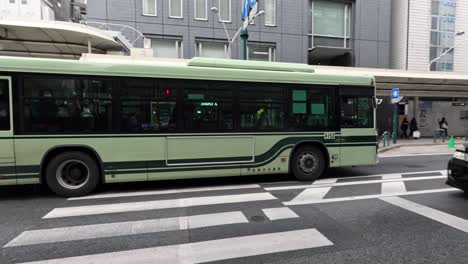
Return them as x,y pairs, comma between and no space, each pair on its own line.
132,35
385,138
439,134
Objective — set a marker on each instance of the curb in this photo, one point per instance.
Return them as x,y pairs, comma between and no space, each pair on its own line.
385,149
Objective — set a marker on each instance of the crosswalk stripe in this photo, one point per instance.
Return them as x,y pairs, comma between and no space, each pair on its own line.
393,187
363,197
436,215
279,213
74,233
208,251
313,186
311,194
157,204
172,191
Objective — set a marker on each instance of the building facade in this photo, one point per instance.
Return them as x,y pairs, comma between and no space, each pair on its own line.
429,36
326,32
62,10
422,30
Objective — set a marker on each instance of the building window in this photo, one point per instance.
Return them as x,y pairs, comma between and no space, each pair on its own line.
167,48
270,12
212,49
261,52
175,8
149,8
443,34
24,2
201,11
331,24
225,10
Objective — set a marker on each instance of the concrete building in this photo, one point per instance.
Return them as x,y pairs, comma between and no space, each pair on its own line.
338,33
61,10
421,31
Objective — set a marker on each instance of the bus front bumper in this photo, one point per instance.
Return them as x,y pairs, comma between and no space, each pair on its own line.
457,174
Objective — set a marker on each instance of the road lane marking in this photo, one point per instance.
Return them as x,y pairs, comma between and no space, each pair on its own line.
436,215
279,213
312,194
208,251
364,197
331,181
413,155
172,191
296,187
394,187
157,204
74,233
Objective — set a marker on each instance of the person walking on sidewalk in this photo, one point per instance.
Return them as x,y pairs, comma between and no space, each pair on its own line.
404,127
443,124
413,126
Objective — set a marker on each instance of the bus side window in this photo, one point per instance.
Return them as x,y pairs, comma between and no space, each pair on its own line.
4,106
356,111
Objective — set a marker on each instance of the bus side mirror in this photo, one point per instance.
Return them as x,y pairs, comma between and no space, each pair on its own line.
376,101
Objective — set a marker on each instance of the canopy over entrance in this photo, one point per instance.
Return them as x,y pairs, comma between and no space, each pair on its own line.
54,39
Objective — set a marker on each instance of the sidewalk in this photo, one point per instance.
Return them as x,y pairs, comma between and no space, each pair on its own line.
423,146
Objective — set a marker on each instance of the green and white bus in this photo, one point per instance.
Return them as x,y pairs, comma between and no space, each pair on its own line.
76,124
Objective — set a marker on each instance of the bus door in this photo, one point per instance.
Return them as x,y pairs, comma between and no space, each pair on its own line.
7,155
358,134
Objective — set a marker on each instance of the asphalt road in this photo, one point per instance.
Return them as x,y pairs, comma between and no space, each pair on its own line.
401,211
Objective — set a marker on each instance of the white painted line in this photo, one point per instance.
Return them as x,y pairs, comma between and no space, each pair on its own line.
74,233
157,204
312,194
382,156
436,215
325,181
330,181
172,191
279,213
208,251
394,187
320,186
364,197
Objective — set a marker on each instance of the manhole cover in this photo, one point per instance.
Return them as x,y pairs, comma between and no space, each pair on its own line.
257,218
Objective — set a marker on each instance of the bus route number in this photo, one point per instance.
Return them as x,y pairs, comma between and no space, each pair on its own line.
329,135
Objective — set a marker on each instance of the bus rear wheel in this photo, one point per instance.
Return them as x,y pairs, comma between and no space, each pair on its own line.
72,174
308,163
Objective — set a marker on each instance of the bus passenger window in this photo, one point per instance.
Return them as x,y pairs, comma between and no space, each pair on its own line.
356,112
4,106
208,107
261,108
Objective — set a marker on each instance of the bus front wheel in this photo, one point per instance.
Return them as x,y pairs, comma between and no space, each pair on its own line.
308,163
72,174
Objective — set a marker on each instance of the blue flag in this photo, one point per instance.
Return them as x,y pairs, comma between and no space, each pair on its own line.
248,5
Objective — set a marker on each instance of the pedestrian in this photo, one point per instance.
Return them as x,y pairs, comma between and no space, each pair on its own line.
404,127
443,124
413,126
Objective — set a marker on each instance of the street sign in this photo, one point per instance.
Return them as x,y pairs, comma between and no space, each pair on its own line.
396,95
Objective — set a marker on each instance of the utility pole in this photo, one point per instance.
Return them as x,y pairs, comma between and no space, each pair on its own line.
245,38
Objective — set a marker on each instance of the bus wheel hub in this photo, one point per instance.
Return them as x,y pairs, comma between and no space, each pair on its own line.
308,163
